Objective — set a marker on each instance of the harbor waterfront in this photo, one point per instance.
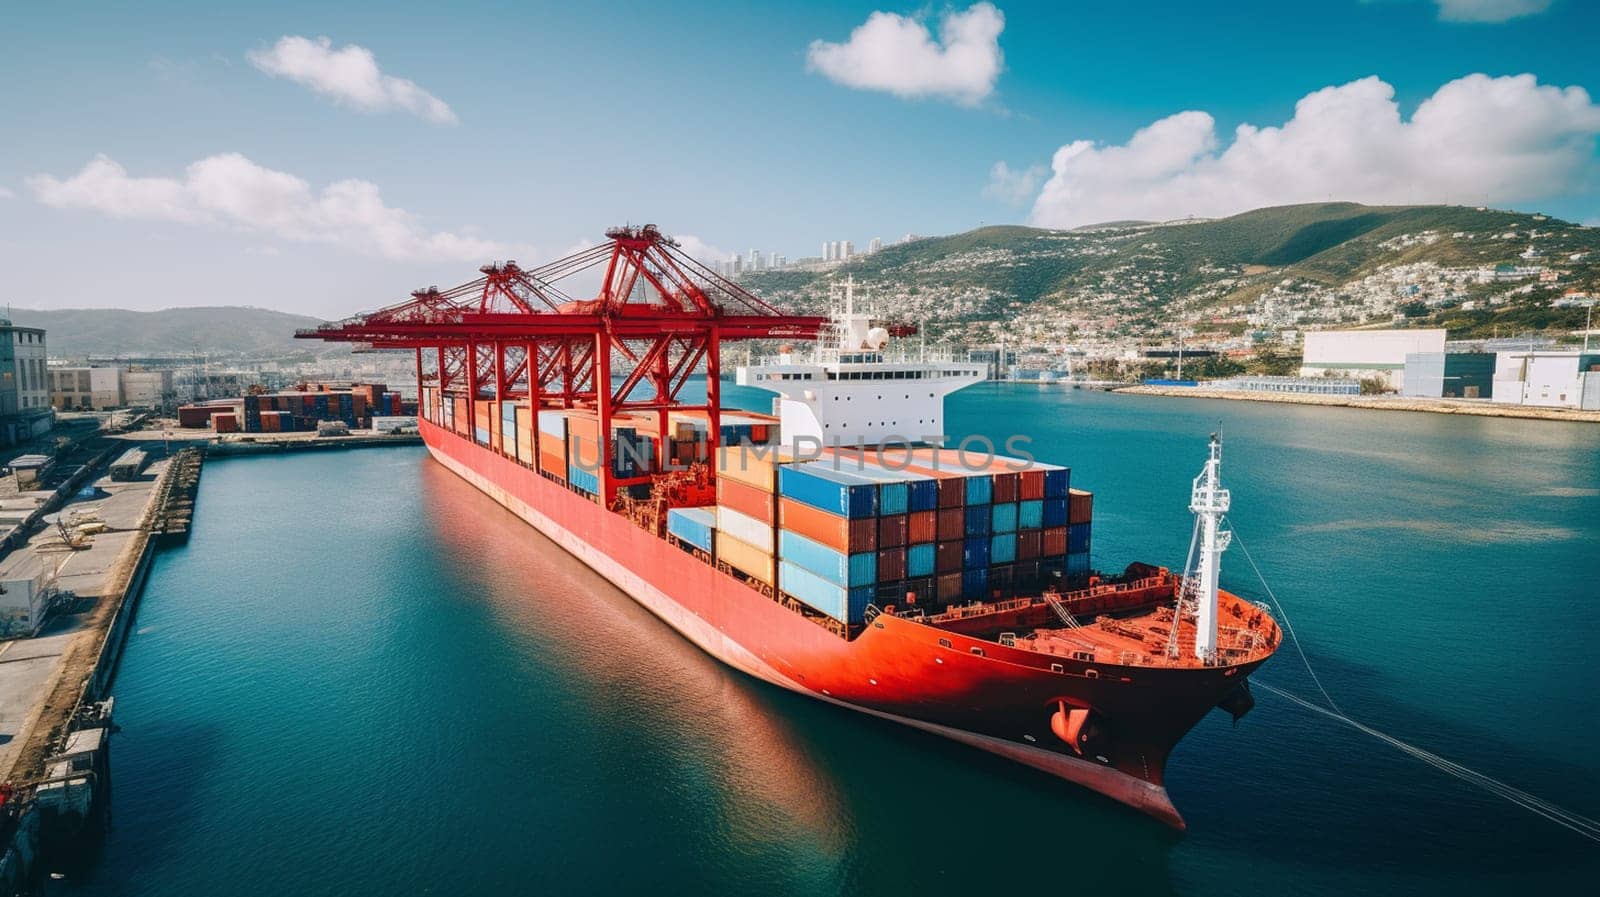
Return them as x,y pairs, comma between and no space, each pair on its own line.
419,694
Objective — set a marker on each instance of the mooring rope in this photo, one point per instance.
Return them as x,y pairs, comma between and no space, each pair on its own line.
1576,822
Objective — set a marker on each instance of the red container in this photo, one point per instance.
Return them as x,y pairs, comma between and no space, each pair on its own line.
951,524
1055,541
1030,485
947,557
1029,544
226,423
1080,506
892,532
949,587
839,533
923,526
891,564
747,500
1005,488
952,492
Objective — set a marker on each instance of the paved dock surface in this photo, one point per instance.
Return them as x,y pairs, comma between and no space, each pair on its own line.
1473,407
47,672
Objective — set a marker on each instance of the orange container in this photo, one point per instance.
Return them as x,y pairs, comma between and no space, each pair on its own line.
747,500
1055,541
839,533
924,526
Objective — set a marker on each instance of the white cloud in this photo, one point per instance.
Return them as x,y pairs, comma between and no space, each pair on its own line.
898,54
1476,140
232,191
350,75
6,193
1489,10
1014,187
700,250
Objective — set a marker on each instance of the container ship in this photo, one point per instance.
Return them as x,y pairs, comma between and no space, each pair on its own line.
835,547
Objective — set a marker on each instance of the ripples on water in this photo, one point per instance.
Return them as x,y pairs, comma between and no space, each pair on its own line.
361,676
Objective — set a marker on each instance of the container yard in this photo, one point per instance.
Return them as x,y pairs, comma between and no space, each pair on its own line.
297,410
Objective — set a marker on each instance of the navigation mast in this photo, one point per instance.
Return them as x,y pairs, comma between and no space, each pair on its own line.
1209,501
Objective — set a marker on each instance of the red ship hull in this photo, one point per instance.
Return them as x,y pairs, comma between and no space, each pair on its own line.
991,696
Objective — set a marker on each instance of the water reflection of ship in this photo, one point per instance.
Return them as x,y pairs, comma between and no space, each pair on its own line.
763,773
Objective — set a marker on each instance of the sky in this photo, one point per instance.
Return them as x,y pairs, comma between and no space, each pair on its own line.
327,158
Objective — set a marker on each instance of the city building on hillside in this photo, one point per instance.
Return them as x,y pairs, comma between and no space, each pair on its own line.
1367,354
875,245
25,411
1554,378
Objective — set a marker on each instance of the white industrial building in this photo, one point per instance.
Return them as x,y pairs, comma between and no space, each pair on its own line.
1549,378
1367,354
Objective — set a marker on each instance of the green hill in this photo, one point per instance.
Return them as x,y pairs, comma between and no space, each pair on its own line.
1149,276
231,330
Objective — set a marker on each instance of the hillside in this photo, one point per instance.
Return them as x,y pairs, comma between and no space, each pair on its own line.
232,330
1324,264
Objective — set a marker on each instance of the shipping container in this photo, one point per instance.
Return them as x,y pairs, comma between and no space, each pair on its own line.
695,526
756,467
922,526
975,552
977,522
225,423
1003,548
891,564
1029,543
951,523
921,593
947,556
1002,582
1054,541
920,559
847,605
585,480
747,559
1057,482
852,570
749,530
975,584
1055,512
1030,514
949,587
1078,538
1080,506
1030,484
842,534
1077,568
1025,577
893,531
816,483
1003,518
748,500
980,489
1005,487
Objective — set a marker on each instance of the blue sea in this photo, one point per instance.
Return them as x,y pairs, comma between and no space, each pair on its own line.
361,676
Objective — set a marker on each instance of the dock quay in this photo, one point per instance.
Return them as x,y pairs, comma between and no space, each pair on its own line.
1470,407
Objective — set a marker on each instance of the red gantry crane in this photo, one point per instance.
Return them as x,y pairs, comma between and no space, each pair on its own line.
514,335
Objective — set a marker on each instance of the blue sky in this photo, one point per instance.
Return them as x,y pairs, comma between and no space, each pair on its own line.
720,121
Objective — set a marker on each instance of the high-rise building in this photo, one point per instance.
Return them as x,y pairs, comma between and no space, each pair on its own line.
733,265
755,260
827,251
875,245
24,385
848,250
779,260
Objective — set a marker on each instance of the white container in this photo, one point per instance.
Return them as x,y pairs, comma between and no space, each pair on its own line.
745,528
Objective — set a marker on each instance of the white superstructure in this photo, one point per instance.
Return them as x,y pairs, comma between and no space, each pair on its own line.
853,388
1209,503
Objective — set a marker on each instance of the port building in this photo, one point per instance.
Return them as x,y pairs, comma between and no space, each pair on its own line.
1548,378
1367,354
1449,375
24,385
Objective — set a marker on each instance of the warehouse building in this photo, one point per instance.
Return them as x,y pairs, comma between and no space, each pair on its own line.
1367,354
24,385
1552,378
1449,375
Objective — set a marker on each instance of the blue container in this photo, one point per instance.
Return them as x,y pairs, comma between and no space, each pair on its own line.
1003,548
977,521
924,494
980,489
1003,518
843,571
695,526
820,486
1057,480
919,560
1078,538
1030,514
1077,567
587,480
848,605
921,491
508,416
975,584
975,552
1055,512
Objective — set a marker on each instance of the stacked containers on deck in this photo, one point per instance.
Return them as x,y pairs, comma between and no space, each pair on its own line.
553,443
828,538
508,428
523,419
695,527
483,412
747,511
1080,513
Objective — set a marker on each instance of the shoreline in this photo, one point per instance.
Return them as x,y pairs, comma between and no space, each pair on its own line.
1468,407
